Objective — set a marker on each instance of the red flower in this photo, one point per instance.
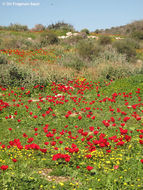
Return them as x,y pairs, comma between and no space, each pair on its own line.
79,117
4,167
88,156
141,161
89,168
30,140
67,159
116,167
24,135
121,143
141,141
46,143
91,128
44,150
14,160
122,124
53,143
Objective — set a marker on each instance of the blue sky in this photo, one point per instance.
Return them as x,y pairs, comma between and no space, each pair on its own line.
91,14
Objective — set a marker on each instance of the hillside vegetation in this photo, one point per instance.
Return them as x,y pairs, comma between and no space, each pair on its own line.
127,29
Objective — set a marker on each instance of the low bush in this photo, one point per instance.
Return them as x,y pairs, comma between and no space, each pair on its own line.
72,60
87,49
48,38
73,40
127,47
61,26
3,59
14,75
85,30
105,40
12,43
18,27
137,35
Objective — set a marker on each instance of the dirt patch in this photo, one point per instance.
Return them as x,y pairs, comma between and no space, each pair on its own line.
75,114
58,179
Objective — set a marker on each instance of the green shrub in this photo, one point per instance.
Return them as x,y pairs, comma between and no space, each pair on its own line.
73,40
61,26
137,35
72,60
38,27
13,75
105,40
12,43
126,47
85,30
109,55
1,42
3,59
87,49
48,38
18,27
117,72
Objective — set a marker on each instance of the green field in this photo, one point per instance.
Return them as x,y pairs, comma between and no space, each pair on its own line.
81,135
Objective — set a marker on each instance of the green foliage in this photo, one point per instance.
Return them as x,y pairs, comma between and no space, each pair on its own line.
116,72
72,61
126,46
18,27
48,38
61,26
3,59
14,75
85,30
12,43
73,40
105,40
87,49
127,29
39,27
137,35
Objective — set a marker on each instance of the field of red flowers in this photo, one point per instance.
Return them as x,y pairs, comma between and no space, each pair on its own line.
78,135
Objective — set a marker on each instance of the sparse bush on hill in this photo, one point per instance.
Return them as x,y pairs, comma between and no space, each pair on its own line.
39,27
18,27
71,41
14,75
72,60
85,30
48,38
127,47
116,71
137,35
87,49
12,43
125,29
61,26
1,42
105,40
3,59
